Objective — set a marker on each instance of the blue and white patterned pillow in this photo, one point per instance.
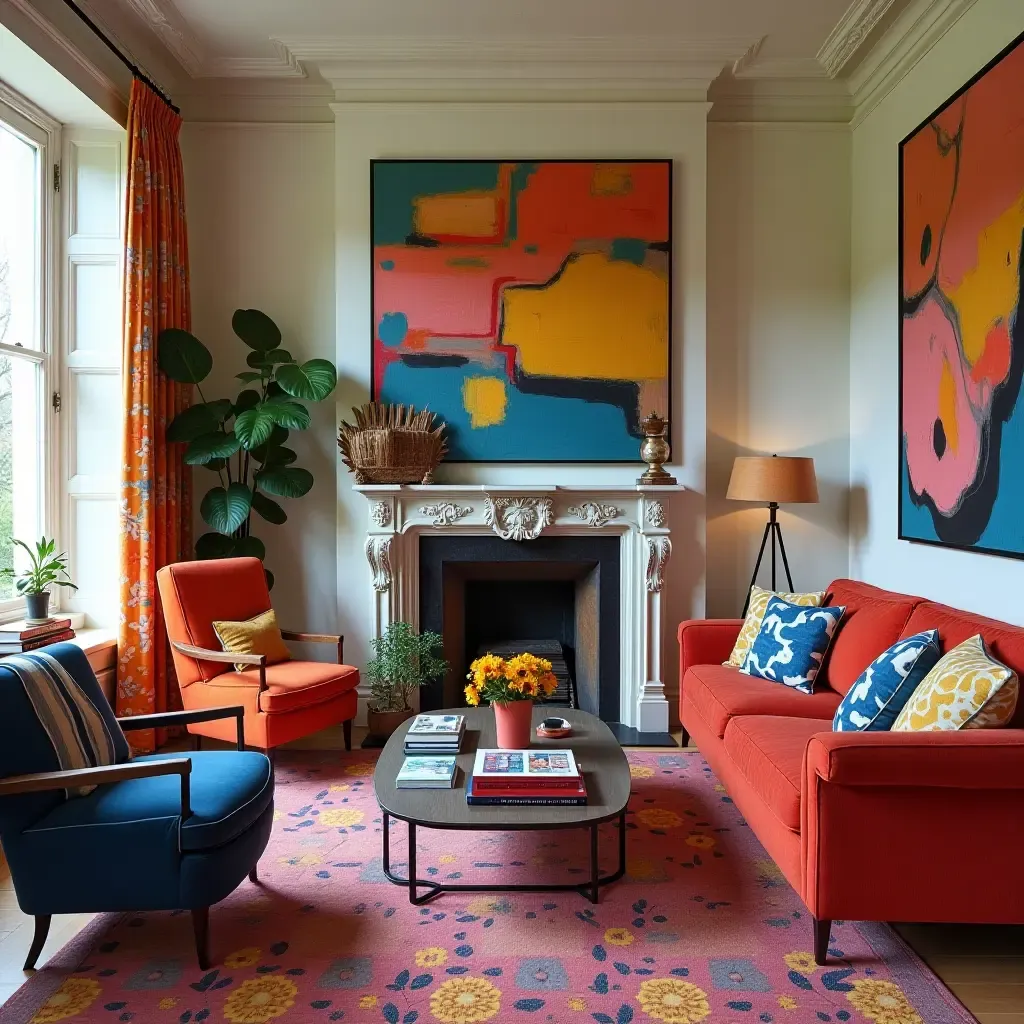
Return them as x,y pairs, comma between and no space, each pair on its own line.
791,643
876,699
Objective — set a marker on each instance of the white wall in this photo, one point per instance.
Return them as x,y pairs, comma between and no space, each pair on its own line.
778,343
677,130
261,234
981,583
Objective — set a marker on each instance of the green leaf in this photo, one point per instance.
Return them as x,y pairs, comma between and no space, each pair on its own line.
183,357
214,545
286,482
250,547
278,436
312,381
268,509
225,509
247,399
270,578
256,329
258,360
193,421
287,413
215,464
273,457
278,355
215,445
249,376
254,427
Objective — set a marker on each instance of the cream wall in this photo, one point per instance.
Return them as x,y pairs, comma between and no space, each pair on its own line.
982,583
260,200
778,343
534,130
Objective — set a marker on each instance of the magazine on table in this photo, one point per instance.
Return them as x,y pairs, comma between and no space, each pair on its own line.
426,773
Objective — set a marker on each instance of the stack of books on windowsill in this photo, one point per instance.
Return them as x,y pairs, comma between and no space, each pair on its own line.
525,778
435,734
19,637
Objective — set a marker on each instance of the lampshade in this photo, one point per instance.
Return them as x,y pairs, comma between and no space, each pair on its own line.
773,478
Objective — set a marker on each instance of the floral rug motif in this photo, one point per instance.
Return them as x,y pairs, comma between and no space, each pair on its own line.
703,928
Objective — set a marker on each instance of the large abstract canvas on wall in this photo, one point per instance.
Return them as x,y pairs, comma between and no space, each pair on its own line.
527,304
961,320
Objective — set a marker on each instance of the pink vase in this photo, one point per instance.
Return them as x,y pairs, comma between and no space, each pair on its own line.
513,723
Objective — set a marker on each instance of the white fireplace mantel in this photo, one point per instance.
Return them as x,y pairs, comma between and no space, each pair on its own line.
399,513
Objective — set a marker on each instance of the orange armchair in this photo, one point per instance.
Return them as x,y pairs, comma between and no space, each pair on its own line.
282,702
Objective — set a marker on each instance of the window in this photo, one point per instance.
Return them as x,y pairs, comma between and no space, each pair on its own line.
26,350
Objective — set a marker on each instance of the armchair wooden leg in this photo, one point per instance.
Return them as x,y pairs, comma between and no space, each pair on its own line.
346,728
197,742
822,935
201,928
253,876
38,940
684,740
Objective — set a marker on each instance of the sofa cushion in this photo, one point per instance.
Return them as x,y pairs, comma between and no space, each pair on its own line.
755,614
719,692
1004,642
300,684
769,752
874,621
229,791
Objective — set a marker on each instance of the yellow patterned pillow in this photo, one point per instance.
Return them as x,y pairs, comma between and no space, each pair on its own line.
967,689
258,635
755,613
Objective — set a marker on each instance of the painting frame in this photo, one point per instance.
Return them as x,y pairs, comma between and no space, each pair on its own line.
667,162
1015,331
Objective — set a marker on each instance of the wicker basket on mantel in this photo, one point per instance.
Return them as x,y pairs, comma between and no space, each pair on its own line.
392,444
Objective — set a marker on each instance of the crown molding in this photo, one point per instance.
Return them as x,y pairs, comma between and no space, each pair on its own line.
284,64
163,18
911,36
850,33
782,68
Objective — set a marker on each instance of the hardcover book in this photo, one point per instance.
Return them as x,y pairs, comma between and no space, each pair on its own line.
426,773
440,727
527,796
512,769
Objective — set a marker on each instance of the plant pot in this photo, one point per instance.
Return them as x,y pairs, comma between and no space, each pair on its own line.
382,724
513,723
37,607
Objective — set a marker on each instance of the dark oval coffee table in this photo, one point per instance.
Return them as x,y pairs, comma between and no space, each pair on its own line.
604,767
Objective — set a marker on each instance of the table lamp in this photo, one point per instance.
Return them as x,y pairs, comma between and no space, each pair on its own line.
775,480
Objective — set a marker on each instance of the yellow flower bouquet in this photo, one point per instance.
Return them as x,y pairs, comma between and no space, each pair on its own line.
510,685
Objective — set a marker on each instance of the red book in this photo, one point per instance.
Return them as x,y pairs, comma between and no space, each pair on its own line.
536,795
31,645
489,784
18,632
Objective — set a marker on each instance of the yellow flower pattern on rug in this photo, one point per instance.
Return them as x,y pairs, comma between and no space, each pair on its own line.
882,1002
341,817
248,957
433,957
73,997
260,999
802,962
619,937
755,615
673,1001
659,817
465,1001
641,771
967,689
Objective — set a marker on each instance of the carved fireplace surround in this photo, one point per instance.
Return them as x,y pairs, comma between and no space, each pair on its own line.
399,514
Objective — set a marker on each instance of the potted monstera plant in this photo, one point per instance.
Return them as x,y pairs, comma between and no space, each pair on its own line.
403,660
242,439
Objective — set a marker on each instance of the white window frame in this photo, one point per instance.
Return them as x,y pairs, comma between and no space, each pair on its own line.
27,120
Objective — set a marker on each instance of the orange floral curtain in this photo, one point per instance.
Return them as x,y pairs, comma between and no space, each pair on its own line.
155,490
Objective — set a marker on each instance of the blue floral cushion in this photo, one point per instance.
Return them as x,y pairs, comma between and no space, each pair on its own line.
791,643
878,695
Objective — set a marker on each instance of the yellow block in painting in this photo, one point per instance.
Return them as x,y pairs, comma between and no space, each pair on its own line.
484,398
466,215
603,319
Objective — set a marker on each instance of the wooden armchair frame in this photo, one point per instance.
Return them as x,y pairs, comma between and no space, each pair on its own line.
182,766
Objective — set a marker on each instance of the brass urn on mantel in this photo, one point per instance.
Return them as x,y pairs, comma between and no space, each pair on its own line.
655,450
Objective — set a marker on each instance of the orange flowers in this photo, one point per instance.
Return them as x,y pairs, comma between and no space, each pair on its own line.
522,677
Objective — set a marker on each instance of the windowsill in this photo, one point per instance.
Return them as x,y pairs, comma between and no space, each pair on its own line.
93,641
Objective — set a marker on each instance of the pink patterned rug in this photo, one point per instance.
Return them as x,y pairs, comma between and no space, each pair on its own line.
703,928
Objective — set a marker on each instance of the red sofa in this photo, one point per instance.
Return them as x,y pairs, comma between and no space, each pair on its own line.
875,826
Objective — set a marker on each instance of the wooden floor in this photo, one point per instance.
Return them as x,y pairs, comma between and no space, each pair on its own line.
983,965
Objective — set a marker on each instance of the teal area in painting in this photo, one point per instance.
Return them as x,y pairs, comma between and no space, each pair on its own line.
1005,529
396,184
564,429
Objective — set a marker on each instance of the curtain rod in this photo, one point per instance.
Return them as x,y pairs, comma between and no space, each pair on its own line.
133,68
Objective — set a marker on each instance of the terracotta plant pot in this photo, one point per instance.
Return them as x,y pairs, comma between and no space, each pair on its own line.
382,724
513,723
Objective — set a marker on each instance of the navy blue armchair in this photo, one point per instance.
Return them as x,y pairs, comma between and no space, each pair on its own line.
159,832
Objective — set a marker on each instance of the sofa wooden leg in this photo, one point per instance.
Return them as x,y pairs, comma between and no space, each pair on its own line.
822,935
201,928
346,728
38,940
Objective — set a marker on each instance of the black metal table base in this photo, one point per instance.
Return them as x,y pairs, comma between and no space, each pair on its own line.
590,888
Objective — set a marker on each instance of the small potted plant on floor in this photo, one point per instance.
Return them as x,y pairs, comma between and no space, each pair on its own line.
402,661
510,685
46,570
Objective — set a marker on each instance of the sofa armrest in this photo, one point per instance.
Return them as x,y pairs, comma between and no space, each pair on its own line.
970,759
706,642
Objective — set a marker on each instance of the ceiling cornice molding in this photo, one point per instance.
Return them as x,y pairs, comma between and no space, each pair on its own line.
163,18
909,38
850,34
284,64
783,68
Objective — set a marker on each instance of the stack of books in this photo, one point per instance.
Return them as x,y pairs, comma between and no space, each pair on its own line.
426,773
526,777
19,637
435,734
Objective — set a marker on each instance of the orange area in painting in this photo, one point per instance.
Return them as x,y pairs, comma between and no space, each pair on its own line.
947,407
612,180
994,363
461,214
484,398
416,341
601,319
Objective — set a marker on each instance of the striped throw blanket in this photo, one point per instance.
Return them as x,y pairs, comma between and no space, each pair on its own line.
72,722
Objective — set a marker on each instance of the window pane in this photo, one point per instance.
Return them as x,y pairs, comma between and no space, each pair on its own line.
20,451
19,241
